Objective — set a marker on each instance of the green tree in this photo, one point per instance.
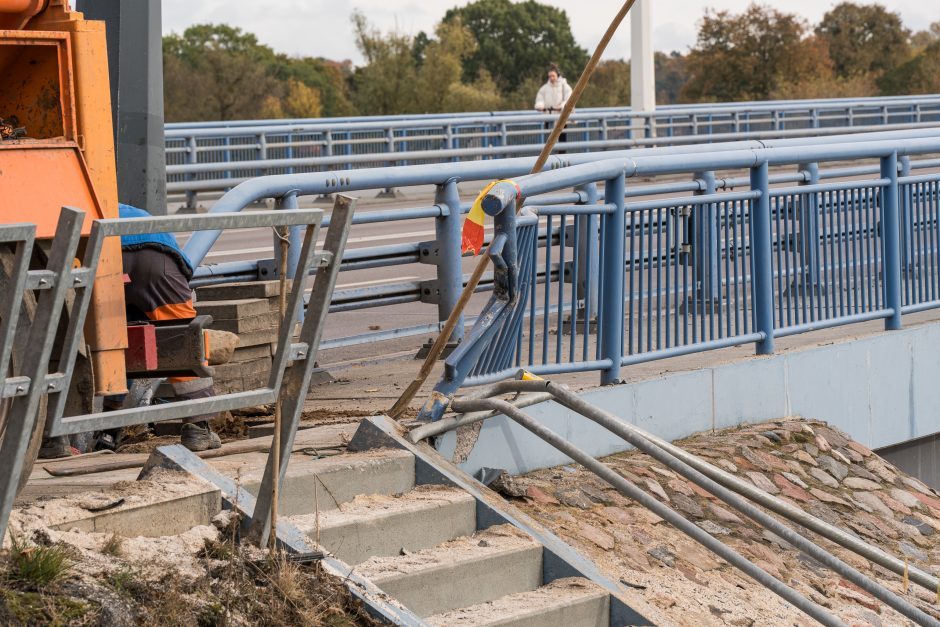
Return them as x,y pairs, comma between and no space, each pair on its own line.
386,84
480,95
442,64
671,75
329,78
748,56
518,40
864,39
216,72
922,39
920,75
610,85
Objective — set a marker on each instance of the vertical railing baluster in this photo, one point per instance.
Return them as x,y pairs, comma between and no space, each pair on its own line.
890,236
612,293
761,244
449,267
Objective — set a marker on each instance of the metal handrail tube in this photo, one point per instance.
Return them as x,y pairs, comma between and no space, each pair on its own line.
679,463
629,490
726,480
667,111
502,151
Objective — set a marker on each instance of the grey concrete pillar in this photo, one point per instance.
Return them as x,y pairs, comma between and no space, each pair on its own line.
135,58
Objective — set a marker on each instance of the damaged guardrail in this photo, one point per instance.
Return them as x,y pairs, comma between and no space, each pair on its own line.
25,418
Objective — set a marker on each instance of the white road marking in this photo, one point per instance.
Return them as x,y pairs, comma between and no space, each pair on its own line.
377,282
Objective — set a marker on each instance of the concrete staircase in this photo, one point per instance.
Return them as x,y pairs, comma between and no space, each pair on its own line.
425,546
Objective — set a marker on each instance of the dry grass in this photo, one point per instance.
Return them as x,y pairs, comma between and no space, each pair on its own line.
42,584
113,545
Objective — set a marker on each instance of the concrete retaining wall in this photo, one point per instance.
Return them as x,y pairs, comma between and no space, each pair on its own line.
883,389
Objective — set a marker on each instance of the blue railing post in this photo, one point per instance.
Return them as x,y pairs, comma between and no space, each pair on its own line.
705,253
808,217
610,327
761,245
449,267
890,233
588,259
295,236
906,220
192,157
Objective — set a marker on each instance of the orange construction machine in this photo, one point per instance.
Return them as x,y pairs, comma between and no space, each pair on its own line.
57,149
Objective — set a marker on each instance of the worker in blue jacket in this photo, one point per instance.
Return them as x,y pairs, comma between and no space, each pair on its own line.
158,289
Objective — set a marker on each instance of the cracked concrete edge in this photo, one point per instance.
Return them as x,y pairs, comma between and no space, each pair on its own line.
560,560
234,496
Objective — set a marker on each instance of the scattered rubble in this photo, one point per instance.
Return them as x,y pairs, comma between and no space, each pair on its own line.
807,463
204,576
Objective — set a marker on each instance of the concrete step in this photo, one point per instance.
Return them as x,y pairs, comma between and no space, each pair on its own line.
562,603
463,572
324,484
382,525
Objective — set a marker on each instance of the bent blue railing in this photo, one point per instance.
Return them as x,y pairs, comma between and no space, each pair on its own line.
702,272
669,248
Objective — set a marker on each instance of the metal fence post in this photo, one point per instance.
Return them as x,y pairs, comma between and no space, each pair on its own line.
610,325
808,217
449,262
295,236
705,253
192,157
890,234
588,260
761,244
906,220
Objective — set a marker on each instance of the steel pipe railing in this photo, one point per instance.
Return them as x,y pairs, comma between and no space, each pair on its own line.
724,486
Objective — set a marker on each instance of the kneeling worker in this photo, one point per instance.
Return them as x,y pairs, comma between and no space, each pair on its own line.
159,289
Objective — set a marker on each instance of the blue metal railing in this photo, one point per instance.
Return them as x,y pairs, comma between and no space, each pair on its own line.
212,157
694,273
687,246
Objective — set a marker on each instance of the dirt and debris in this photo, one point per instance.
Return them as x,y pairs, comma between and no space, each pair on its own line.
807,463
205,576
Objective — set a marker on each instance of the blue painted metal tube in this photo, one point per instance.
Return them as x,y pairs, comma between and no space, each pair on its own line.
809,227
449,263
828,187
891,242
295,237
833,322
577,210
643,205
319,183
761,245
919,178
542,369
689,349
611,303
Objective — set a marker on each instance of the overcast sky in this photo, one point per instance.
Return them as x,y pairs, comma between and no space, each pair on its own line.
321,28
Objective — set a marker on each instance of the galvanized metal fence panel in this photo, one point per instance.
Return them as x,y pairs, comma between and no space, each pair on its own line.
35,381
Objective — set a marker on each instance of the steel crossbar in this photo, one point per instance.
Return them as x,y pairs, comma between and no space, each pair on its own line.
26,395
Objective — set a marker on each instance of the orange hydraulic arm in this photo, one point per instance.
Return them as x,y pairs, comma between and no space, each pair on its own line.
54,64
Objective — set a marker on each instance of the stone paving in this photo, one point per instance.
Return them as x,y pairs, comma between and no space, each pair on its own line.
806,463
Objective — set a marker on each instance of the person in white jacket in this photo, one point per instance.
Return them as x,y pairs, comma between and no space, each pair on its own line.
554,94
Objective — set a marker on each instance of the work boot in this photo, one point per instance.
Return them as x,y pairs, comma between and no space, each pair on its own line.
197,436
54,448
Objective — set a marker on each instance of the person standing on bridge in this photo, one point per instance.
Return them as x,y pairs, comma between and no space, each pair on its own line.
553,95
